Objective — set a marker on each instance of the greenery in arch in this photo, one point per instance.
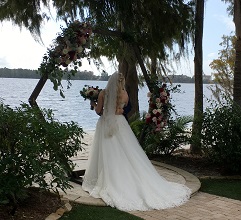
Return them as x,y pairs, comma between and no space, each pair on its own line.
64,55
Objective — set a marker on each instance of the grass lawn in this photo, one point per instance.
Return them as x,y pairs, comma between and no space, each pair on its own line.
222,187
96,213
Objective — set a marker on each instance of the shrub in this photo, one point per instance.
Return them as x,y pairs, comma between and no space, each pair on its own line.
32,146
221,136
172,137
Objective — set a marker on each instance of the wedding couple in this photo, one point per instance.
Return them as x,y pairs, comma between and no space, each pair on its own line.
118,171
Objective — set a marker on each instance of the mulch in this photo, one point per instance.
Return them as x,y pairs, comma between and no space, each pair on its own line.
197,165
37,206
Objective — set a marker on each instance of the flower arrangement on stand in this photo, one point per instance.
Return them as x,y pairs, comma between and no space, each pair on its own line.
91,93
63,56
159,108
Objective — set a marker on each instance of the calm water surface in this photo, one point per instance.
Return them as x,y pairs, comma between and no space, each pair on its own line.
15,91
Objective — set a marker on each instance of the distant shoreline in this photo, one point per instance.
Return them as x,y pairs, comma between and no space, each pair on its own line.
89,75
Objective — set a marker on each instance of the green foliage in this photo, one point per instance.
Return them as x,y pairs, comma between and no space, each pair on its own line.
33,146
172,137
221,135
158,131
137,124
223,68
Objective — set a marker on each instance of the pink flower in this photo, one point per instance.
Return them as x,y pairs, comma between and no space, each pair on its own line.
160,118
158,129
154,111
148,115
163,94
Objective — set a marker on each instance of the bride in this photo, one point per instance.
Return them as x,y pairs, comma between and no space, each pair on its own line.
118,171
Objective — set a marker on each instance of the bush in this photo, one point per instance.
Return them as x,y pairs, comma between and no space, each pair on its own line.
221,136
32,146
172,137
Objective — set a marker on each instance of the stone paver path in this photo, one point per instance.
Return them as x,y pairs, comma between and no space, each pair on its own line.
200,206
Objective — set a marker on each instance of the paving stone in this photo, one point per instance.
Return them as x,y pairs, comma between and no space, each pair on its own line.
60,211
67,207
53,216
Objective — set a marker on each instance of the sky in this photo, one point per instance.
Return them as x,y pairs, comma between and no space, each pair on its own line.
18,49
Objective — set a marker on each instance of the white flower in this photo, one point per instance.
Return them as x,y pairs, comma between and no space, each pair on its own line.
158,100
163,93
154,119
159,110
158,105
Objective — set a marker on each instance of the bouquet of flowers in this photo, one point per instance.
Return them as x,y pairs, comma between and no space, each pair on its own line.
91,93
159,104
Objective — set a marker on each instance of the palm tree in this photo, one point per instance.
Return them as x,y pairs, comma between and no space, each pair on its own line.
198,74
237,68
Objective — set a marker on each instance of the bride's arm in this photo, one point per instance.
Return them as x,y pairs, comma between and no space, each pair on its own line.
99,105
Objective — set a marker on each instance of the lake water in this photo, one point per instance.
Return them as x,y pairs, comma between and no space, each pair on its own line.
14,91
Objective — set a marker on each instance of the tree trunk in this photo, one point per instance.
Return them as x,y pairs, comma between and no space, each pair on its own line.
37,90
198,74
128,68
237,69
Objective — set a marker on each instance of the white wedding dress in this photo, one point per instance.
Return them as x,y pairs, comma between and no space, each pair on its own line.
118,170
120,173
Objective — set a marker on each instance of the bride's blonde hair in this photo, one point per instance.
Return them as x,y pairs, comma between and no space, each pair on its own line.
120,87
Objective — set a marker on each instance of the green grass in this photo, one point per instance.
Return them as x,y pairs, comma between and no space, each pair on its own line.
96,213
229,188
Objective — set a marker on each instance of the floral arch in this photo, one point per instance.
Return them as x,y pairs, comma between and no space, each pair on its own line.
63,57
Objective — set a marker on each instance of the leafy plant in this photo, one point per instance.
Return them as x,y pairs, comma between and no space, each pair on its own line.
221,135
34,150
172,137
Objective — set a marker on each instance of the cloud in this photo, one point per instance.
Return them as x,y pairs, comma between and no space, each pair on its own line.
227,21
211,55
3,62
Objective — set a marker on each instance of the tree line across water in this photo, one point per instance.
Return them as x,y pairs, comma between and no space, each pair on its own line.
89,75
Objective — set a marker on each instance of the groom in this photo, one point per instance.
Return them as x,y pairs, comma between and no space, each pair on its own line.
127,109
